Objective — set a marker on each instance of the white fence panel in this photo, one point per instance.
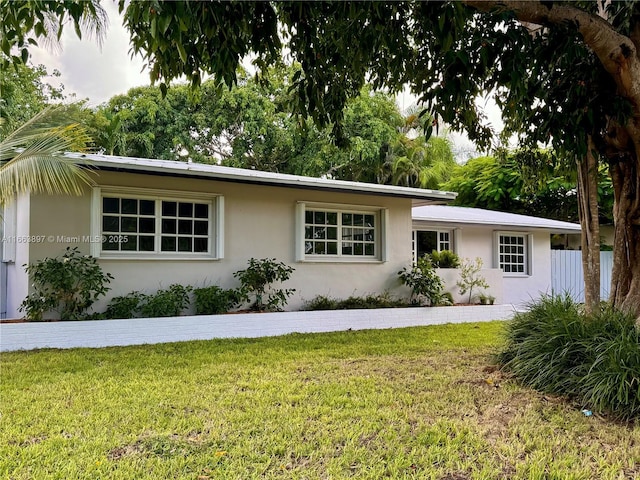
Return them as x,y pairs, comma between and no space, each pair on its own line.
567,275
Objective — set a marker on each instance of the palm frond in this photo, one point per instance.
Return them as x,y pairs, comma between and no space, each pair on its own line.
31,158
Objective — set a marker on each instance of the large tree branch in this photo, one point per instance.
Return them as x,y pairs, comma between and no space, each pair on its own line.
616,52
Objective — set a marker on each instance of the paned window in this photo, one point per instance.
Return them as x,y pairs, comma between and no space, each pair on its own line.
426,241
513,253
340,233
156,225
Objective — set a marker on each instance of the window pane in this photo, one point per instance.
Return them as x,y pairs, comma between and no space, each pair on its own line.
128,224
168,244
110,224
347,219
201,210
131,245
110,205
318,218
168,226
320,250
332,233
184,244
347,233
200,227
358,249
110,245
185,210
200,245
147,225
185,227
358,220
368,220
308,247
308,217
347,248
332,248
427,242
129,206
369,249
146,243
319,232
332,218
308,232
169,209
147,207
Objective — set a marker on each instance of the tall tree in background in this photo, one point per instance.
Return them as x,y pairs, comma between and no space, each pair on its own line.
24,93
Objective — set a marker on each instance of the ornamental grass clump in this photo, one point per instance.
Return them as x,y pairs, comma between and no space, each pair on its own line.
594,359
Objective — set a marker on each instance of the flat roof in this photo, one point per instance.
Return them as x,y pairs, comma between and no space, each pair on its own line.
459,216
228,174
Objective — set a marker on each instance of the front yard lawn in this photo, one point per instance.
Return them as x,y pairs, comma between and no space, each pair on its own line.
421,403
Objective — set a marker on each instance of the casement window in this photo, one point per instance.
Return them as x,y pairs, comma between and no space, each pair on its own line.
340,233
426,241
157,224
513,253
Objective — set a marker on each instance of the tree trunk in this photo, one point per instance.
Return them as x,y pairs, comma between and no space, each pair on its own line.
625,278
589,221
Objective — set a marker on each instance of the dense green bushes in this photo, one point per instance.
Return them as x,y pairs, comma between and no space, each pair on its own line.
594,359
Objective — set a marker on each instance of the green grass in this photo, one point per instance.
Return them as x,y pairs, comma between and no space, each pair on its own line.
422,403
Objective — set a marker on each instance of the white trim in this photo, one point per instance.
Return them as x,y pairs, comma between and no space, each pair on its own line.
528,252
438,230
380,231
215,236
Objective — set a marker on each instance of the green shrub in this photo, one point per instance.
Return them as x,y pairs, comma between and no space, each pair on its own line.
257,284
595,359
423,281
321,302
444,259
125,306
384,300
214,300
69,285
166,303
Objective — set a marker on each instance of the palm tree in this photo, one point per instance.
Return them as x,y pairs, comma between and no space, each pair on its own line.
31,157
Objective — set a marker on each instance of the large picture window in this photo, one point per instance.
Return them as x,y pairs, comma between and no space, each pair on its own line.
139,225
341,233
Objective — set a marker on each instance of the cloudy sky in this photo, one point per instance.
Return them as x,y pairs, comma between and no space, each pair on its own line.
93,72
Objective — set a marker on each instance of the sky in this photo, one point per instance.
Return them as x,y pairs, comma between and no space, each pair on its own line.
98,73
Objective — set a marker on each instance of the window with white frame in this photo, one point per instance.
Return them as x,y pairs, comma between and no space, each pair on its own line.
426,241
139,223
513,252
340,233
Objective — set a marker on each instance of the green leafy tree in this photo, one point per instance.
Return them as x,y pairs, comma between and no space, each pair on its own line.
24,93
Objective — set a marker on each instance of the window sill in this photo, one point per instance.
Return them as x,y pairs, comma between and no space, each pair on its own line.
516,275
341,260
159,257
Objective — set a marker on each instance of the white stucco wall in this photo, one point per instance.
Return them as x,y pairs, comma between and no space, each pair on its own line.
478,241
259,222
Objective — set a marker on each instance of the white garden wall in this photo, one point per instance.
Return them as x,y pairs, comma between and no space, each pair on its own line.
104,333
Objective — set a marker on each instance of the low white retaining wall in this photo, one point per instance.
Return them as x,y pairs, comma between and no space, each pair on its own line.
137,331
